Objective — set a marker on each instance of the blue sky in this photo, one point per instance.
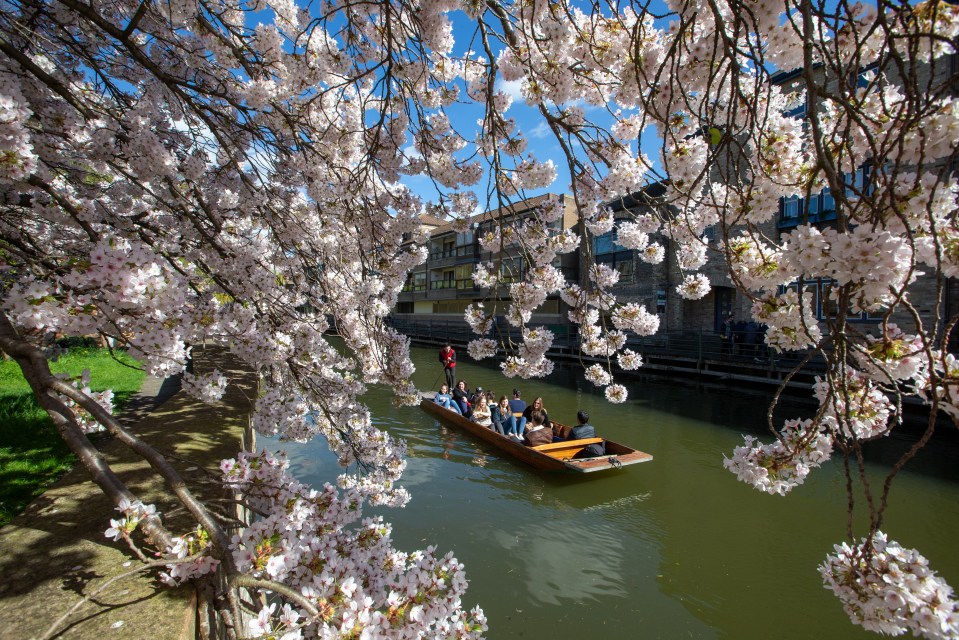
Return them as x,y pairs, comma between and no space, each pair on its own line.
541,142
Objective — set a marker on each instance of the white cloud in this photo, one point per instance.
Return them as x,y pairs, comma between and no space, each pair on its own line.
540,131
512,88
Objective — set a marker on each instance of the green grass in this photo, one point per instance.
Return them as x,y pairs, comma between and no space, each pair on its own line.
32,454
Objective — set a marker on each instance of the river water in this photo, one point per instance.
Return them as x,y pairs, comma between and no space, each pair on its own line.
673,548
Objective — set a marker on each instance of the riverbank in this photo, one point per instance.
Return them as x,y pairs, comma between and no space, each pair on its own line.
55,554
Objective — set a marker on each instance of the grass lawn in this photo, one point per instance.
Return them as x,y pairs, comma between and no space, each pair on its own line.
32,454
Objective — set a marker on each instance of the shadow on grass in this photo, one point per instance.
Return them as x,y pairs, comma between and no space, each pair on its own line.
32,454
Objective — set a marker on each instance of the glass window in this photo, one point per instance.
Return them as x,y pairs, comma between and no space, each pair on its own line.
824,306
625,268
792,208
464,276
828,204
604,243
511,269
858,184
416,282
442,279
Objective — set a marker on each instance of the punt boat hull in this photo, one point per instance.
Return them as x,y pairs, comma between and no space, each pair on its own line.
617,455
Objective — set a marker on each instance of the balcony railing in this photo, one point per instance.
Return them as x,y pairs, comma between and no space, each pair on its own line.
699,350
455,252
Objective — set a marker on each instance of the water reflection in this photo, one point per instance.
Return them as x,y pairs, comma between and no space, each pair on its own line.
561,564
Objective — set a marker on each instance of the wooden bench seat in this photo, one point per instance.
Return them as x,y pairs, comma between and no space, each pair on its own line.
567,449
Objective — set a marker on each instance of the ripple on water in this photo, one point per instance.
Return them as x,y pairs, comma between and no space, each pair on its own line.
561,561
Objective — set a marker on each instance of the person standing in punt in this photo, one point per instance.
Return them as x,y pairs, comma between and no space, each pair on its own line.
448,358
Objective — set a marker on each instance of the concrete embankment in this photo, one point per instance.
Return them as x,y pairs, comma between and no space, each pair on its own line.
55,554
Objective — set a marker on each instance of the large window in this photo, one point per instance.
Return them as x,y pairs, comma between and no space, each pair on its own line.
463,274
821,207
443,248
622,261
442,279
511,270
416,282
609,253
606,243
451,306
823,305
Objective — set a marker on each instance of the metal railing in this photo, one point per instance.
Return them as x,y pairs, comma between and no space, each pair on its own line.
699,350
460,251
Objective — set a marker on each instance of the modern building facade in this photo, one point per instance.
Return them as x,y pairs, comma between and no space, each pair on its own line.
439,291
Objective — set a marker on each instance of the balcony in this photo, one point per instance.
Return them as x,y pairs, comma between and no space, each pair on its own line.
442,289
446,256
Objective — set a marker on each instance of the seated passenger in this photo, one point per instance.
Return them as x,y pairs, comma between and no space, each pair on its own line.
537,433
481,412
585,430
517,406
581,431
461,395
537,406
503,420
445,400
475,395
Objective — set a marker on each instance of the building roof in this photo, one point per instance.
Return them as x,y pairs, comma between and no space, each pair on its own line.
644,196
431,221
494,214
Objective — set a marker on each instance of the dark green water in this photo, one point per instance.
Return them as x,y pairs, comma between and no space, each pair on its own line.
673,548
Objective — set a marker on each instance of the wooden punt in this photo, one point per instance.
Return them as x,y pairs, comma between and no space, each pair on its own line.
557,456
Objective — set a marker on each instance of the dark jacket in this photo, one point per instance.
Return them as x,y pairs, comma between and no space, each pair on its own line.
499,420
538,437
462,397
581,432
517,406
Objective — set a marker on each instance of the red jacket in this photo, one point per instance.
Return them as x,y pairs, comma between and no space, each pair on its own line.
448,358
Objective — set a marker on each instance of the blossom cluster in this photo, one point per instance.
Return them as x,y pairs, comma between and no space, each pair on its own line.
853,406
191,555
133,513
84,420
890,589
318,543
205,387
779,467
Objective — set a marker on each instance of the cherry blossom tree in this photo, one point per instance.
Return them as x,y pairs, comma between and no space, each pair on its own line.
215,171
